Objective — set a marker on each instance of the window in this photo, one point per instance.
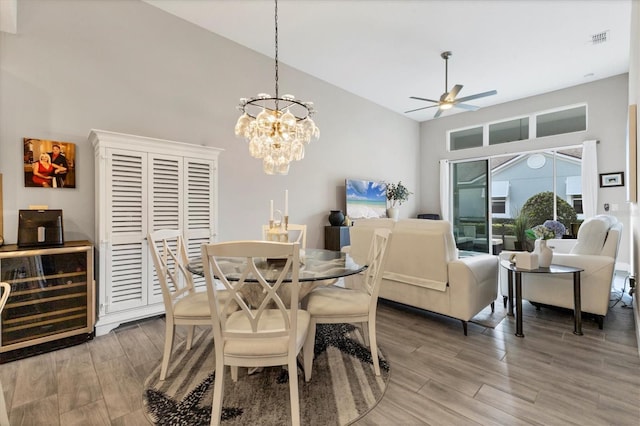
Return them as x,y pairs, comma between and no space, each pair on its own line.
499,198
563,121
567,119
576,202
499,205
574,193
509,131
468,138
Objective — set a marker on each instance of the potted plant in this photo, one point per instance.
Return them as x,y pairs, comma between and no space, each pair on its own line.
397,194
520,226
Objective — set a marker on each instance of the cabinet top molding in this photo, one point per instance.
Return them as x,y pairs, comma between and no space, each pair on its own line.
141,143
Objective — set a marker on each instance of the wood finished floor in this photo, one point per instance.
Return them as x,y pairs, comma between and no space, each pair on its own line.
438,376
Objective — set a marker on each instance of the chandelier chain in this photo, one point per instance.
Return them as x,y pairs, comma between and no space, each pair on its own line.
277,136
276,21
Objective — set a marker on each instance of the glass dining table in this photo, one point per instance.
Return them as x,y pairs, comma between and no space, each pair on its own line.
318,268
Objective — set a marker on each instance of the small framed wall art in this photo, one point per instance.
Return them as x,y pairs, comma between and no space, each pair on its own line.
49,164
611,179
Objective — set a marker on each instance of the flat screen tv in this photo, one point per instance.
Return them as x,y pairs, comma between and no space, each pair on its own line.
366,199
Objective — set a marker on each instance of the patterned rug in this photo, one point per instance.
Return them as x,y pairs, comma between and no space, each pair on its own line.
342,389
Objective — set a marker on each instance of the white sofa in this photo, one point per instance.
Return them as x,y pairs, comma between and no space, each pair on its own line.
424,270
595,250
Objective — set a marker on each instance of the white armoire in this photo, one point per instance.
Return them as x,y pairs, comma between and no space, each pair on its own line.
144,184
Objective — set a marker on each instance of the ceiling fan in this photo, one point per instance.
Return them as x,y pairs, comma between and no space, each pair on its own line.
448,99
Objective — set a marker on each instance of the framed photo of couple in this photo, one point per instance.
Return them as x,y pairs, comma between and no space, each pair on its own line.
49,164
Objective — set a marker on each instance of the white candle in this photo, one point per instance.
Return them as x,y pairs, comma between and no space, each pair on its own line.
271,210
286,202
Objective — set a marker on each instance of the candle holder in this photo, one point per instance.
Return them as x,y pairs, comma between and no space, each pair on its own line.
278,229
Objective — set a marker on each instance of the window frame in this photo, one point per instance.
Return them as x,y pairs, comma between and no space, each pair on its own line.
533,125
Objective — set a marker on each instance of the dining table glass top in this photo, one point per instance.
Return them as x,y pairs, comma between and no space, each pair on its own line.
316,265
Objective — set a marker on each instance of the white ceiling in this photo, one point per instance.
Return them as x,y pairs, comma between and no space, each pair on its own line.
388,50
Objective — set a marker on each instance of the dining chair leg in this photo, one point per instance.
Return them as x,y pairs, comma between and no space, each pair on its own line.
218,389
373,346
190,332
293,390
169,333
234,373
365,333
308,350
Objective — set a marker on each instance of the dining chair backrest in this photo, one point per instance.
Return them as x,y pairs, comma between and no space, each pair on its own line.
170,258
377,260
299,232
253,252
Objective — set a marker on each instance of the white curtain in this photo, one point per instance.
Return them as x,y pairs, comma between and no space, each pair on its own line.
589,178
444,189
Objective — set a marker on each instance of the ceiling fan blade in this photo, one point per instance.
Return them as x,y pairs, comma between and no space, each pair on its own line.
419,109
423,99
466,106
477,95
438,113
451,96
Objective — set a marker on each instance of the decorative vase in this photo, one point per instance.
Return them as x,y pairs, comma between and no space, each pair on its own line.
545,254
336,218
393,212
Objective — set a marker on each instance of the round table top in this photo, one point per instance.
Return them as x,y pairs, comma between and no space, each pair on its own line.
552,269
316,265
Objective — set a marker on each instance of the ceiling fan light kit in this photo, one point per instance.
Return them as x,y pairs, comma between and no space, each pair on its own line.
449,99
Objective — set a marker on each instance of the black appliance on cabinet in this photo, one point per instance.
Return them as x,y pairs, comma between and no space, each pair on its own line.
40,228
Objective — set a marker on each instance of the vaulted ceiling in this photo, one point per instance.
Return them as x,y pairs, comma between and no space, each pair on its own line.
388,50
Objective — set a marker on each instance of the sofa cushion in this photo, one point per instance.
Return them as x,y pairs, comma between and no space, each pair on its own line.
592,235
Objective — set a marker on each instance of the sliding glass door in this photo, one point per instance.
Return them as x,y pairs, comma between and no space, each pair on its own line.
469,184
488,195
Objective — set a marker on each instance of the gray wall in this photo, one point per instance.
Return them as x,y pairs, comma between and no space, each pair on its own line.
128,67
607,121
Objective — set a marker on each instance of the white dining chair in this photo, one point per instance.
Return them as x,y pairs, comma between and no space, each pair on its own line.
299,232
4,415
331,305
183,304
271,334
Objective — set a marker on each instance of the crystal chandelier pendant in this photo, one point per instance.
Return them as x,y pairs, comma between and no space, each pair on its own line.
277,128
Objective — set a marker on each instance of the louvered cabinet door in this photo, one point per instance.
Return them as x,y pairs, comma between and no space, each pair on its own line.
199,206
142,185
126,218
166,189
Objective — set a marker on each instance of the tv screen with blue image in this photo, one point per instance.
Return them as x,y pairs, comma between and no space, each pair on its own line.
366,199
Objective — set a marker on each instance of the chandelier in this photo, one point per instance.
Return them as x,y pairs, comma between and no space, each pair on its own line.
276,127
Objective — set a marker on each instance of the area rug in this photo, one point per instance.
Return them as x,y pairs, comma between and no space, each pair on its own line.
342,389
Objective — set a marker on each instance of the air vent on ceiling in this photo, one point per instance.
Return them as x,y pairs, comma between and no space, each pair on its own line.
601,37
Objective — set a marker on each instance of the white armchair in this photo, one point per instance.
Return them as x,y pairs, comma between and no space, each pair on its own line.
595,250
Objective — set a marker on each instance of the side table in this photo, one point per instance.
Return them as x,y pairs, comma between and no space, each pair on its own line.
513,270
336,237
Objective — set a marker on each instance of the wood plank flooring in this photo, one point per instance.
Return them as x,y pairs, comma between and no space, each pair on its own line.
438,376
